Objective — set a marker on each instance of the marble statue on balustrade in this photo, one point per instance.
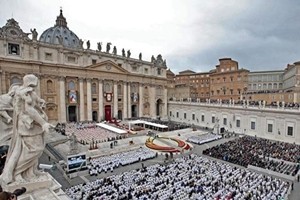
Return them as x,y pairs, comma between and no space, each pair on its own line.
108,47
81,43
123,52
152,59
34,34
27,143
99,46
128,54
6,114
88,44
115,50
140,56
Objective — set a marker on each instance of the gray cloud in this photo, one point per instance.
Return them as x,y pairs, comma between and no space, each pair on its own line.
264,36
193,34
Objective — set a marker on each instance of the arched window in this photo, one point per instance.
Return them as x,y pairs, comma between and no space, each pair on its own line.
270,86
134,88
94,88
146,91
264,86
119,89
159,90
71,85
275,85
50,86
15,80
107,87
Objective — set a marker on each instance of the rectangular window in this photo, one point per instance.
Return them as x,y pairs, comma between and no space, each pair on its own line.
158,71
184,115
177,114
146,70
193,116
252,126
290,131
238,123
213,119
13,49
170,113
94,61
270,128
134,68
71,59
48,56
224,121
94,99
202,118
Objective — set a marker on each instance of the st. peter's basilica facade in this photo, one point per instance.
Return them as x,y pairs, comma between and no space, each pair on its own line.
80,84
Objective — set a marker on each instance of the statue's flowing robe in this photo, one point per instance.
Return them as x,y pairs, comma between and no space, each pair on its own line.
27,142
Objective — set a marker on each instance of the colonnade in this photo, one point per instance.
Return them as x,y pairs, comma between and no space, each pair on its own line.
85,111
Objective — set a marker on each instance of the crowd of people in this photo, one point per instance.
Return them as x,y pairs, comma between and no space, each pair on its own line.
259,152
191,177
109,163
88,132
201,139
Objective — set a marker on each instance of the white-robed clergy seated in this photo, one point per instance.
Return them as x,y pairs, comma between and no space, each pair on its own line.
29,126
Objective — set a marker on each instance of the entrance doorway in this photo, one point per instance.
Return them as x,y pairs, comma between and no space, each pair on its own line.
119,114
95,116
107,113
134,111
72,114
158,107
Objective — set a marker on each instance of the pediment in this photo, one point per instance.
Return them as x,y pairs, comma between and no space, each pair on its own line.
108,66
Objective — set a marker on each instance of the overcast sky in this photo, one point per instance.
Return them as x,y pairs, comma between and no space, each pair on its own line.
189,34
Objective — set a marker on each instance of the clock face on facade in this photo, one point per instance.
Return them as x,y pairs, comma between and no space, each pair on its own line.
108,67
12,32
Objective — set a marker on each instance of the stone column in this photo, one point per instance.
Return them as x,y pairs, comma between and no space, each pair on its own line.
125,98
81,106
100,114
165,106
0,81
141,107
152,97
3,83
38,88
115,113
129,100
89,99
62,99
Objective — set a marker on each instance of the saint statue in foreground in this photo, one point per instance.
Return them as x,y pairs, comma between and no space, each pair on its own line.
27,143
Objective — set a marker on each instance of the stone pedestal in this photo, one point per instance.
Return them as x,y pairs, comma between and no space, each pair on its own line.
43,188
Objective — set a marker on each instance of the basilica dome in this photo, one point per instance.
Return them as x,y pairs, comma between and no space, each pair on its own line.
61,34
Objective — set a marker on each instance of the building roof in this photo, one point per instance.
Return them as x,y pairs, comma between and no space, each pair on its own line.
61,34
187,72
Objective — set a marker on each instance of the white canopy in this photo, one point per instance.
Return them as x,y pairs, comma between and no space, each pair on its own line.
148,123
111,128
